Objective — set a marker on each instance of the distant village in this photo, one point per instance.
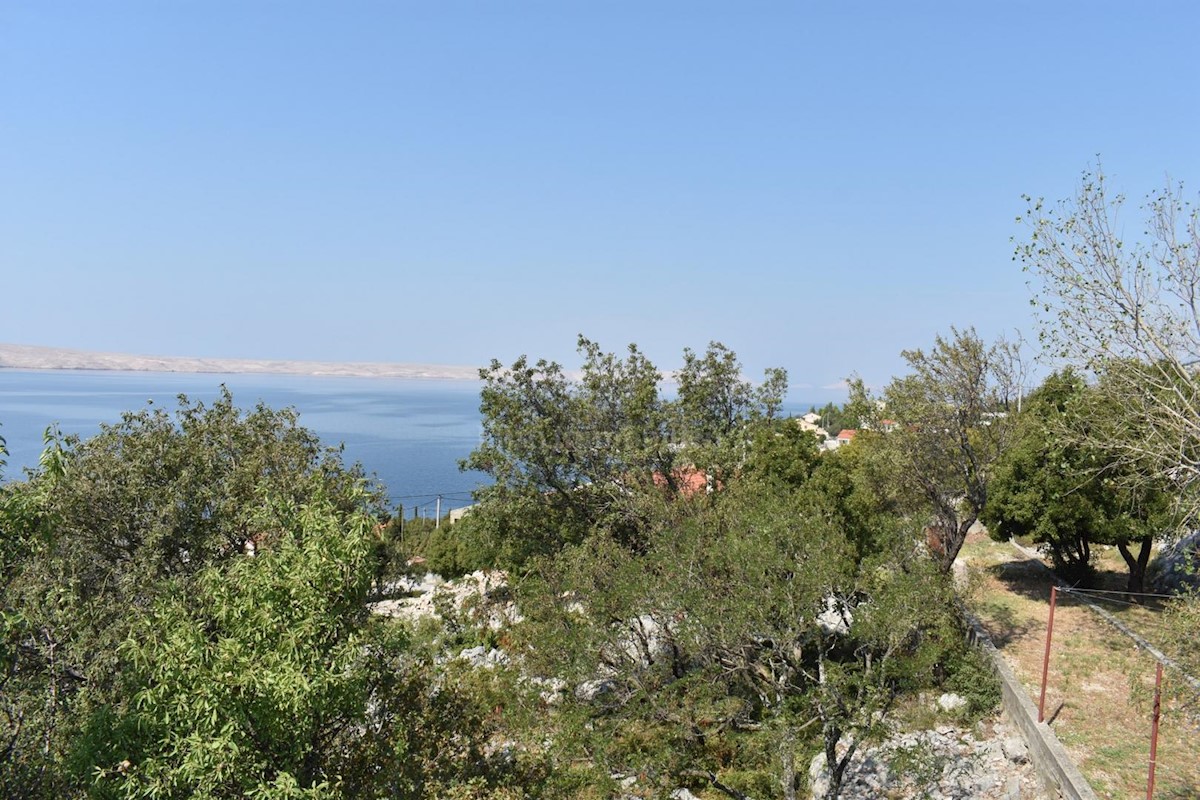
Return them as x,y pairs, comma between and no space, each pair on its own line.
811,422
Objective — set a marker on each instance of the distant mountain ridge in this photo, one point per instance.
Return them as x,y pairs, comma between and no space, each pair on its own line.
18,356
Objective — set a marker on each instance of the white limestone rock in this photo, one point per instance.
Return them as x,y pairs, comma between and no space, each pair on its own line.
951,702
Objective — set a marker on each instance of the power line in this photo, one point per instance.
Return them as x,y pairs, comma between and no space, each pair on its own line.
453,495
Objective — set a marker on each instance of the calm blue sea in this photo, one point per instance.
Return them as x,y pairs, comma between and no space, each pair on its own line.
409,433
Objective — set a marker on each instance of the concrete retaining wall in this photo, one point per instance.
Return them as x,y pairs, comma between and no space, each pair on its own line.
1058,772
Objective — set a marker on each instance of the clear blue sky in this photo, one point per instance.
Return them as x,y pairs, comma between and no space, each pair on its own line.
818,185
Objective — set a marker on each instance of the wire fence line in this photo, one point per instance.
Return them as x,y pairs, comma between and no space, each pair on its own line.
1107,616
1119,591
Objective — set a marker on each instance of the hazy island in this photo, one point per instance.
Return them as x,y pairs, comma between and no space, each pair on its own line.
16,356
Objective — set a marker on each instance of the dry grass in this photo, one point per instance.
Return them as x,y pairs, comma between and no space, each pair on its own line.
1100,685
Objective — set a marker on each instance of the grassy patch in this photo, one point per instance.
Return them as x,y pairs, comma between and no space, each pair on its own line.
1097,698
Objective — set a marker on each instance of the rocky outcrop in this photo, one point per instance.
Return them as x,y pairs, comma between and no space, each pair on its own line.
946,763
1177,567
482,596
481,657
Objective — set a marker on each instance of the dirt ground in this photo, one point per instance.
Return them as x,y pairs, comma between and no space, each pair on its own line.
1099,693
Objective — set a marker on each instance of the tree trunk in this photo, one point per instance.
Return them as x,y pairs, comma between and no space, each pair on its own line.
953,536
1137,566
837,766
1071,554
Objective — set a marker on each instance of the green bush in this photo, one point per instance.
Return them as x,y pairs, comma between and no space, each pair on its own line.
971,676
450,549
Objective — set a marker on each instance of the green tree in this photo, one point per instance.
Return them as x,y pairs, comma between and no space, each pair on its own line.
102,527
847,489
566,455
741,637
607,451
10,629
269,678
148,653
781,451
1123,308
1039,489
716,409
1054,489
1180,632
953,420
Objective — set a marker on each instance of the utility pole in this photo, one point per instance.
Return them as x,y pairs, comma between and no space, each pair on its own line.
437,519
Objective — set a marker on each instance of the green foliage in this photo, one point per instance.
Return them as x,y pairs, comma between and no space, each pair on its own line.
846,491
1042,489
270,680
782,453
1118,301
709,640
565,455
144,654
416,546
952,411
970,676
697,635
103,527
240,687
715,405
1181,631
607,451
919,763
1053,488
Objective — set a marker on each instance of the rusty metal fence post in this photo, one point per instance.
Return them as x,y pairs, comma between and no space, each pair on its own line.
1154,730
1046,657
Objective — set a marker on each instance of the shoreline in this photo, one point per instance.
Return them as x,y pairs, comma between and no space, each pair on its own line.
33,357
